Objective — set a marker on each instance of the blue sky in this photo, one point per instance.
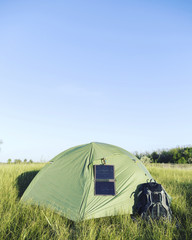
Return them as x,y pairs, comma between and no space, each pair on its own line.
73,72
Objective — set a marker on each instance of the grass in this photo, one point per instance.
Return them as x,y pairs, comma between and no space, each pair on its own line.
18,221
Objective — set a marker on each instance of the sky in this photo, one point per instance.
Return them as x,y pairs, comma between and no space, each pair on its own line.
74,72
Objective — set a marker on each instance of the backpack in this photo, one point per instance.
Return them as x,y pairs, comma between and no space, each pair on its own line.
151,201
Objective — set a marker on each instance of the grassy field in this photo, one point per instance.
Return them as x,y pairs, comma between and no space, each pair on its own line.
18,221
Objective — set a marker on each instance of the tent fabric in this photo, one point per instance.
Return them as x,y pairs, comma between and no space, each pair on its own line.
66,183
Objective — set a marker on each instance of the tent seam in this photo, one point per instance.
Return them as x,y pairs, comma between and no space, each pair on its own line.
88,188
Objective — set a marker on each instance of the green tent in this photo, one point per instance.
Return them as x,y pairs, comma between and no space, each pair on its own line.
88,181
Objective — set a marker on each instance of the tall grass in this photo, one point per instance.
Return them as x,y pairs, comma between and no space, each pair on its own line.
19,221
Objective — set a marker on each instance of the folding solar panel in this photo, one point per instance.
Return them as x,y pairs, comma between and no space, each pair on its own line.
104,180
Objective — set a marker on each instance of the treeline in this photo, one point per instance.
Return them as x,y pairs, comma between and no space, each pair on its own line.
9,161
174,155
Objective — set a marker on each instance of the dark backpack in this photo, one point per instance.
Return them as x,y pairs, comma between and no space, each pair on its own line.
151,201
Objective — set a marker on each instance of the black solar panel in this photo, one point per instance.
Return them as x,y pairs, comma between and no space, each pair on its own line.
104,180
104,172
105,188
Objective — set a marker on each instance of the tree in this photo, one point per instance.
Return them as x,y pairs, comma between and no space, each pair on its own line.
9,161
30,161
25,160
154,156
145,160
182,160
137,154
17,161
189,160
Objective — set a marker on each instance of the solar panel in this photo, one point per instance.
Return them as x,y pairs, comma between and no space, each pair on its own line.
104,172
104,188
104,180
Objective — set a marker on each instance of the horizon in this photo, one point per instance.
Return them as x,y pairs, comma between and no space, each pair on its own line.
134,153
